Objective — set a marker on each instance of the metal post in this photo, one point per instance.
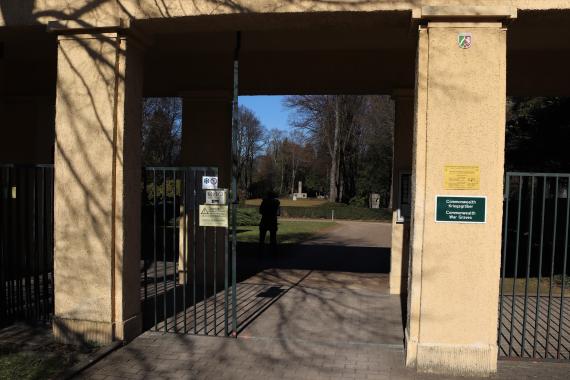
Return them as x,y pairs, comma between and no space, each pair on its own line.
505,238
537,307
552,269
195,248
205,284
154,240
564,266
3,250
513,302
235,121
528,256
174,248
185,251
164,273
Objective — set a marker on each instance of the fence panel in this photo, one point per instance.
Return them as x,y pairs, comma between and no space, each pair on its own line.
534,307
26,243
186,269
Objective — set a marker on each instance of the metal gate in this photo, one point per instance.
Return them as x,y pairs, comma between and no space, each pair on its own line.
534,307
188,271
26,243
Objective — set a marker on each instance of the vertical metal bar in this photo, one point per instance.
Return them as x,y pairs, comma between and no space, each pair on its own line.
164,273
174,247
528,255
45,253
505,238
516,268
195,248
226,274
51,236
37,250
41,242
154,241
7,243
28,244
537,309
235,121
3,206
14,256
205,274
215,274
21,251
185,253
552,268
564,264
143,204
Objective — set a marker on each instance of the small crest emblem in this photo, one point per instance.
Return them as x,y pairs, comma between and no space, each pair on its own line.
464,40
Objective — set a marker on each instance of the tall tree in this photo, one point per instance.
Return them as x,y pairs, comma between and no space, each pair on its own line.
333,121
161,131
538,132
249,144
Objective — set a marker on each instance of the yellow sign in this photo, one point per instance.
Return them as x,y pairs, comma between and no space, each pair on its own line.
461,177
213,216
13,192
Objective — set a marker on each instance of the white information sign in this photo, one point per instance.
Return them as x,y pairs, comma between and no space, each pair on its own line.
217,197
213,216
209,182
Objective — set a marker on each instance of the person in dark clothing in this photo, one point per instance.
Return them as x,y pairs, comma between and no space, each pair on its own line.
269,210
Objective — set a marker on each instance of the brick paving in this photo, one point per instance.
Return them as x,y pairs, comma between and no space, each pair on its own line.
322,323
174,356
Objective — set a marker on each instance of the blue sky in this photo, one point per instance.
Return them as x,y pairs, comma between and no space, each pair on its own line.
269,110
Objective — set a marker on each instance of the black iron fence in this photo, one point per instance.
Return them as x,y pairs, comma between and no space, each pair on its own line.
187,286
534,308
26,243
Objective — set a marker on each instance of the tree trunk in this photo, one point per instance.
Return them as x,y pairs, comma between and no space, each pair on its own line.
282,175
333,185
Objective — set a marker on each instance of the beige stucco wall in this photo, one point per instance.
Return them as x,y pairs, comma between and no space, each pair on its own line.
460,118
97,196
108,12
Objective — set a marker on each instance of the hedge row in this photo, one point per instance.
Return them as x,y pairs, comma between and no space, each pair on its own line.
347,212
249,216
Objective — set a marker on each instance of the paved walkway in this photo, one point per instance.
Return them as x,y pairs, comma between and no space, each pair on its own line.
174,356
326,314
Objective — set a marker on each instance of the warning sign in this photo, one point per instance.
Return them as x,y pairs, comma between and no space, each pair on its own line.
458,177
213,216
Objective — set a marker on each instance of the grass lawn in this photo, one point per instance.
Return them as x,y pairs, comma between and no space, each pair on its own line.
45,362
287,202
29,365
288,233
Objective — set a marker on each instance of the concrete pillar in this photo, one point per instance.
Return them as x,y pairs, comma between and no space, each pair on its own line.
401,164
459,120
97,188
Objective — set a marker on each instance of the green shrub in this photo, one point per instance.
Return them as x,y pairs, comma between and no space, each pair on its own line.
248,216
324,211
358,202
342,212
